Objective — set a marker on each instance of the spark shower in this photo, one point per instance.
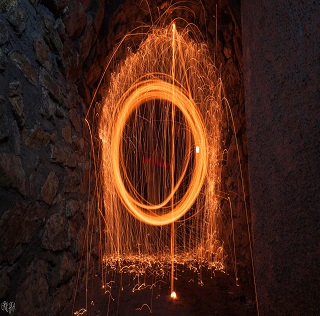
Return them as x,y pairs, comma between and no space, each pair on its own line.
160,127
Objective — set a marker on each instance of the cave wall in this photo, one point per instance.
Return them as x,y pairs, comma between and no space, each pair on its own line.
282,79
236,215
44,148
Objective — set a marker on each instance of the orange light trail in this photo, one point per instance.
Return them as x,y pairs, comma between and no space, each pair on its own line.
144,91
160,129
172,237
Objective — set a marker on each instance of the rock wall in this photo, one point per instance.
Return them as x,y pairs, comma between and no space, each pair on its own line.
45,49
282,80
235,204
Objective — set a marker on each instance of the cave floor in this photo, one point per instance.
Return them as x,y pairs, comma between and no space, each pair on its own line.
218,295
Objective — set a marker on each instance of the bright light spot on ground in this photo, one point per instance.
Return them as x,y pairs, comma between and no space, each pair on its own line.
174,295
197,149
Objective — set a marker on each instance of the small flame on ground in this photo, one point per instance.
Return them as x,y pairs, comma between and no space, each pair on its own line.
174,295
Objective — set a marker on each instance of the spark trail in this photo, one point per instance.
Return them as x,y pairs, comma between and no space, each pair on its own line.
160,127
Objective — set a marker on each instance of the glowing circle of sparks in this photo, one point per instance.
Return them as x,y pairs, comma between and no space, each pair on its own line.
144,91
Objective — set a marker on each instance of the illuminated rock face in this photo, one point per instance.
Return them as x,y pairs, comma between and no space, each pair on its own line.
281,79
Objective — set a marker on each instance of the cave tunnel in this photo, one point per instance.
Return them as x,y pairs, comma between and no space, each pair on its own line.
56,62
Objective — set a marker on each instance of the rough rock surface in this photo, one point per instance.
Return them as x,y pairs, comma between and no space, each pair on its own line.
282,80
44,148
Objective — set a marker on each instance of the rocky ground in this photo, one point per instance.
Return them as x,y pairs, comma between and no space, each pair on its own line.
217,296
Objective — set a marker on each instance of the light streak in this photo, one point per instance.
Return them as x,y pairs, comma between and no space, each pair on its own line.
81,311
127,133
143,92
157,189
142,306
172,237
157,156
